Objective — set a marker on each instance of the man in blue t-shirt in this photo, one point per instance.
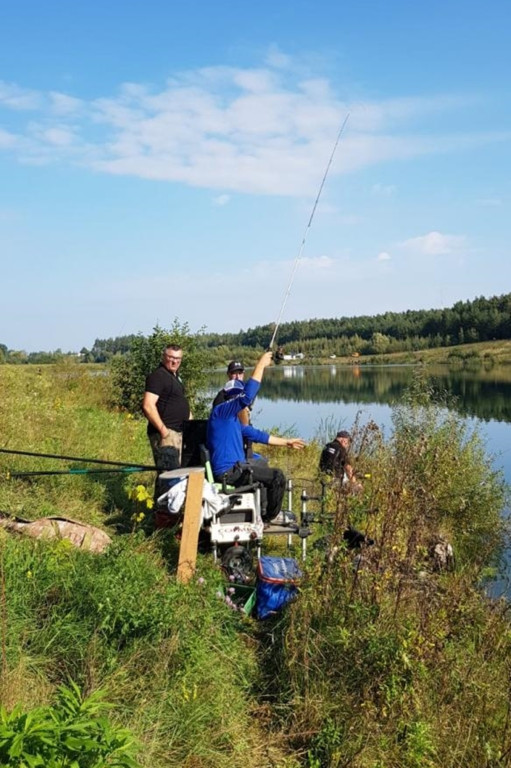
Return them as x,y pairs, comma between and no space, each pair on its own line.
225,442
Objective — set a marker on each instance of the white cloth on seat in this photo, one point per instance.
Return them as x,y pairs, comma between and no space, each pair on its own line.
213,502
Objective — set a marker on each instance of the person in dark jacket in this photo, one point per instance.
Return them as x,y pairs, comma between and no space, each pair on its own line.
335,460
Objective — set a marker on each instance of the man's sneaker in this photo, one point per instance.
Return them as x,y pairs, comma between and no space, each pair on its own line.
284,518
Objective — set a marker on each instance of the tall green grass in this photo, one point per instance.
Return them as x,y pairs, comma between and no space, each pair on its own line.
383,661
386,659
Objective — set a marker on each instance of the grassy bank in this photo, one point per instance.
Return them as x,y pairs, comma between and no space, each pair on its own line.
385,660
482,354
488,354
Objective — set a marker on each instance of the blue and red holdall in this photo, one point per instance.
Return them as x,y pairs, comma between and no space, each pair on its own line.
277,584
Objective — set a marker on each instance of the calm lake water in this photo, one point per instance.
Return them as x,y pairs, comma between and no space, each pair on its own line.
306,399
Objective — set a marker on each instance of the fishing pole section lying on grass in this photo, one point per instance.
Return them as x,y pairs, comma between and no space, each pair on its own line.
37,473
114,466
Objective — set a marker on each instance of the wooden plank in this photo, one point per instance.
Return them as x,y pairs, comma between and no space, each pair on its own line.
191,525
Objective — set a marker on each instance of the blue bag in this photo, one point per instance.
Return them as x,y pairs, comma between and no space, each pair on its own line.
277,579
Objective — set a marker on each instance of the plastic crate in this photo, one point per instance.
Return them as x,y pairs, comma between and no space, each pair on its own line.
244,596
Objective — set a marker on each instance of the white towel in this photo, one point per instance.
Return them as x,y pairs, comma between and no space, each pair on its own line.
213,502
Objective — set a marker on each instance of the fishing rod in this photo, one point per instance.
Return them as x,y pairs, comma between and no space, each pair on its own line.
124,470
297,260
77,458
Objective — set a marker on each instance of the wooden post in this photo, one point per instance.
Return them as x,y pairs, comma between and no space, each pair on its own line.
191,519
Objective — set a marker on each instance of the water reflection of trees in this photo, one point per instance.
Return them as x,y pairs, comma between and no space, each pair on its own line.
479,394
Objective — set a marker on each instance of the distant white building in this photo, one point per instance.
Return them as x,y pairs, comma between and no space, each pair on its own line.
298,356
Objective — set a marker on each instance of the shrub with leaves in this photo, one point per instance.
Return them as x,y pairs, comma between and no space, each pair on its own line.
75,733
394,660
129,371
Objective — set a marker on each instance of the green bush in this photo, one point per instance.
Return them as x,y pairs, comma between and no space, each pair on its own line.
387,659
74,733
128,372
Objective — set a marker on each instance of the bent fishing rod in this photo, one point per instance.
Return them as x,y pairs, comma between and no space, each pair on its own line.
307,228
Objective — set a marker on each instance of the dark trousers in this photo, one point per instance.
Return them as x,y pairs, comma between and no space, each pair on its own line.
273,484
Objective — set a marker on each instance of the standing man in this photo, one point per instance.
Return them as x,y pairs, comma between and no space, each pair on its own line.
166,409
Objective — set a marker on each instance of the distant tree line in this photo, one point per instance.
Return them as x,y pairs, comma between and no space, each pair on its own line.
104,349
20,357
465,322
414,330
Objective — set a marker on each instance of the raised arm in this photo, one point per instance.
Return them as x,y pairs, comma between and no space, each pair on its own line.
263,362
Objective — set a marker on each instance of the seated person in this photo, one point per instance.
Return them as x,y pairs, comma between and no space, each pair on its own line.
225,435
335,461
236,371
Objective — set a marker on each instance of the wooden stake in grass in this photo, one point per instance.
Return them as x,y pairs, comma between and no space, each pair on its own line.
191,519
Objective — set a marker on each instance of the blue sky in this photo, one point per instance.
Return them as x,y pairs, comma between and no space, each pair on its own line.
160,160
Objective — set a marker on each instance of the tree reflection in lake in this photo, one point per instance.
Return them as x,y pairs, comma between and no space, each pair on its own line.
478,394
307,397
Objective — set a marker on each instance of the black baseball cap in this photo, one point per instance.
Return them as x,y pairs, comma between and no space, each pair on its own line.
235,366
343,433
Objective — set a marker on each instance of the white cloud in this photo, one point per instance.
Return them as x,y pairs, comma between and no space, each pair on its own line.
7,140
62,104
277,59
434,244
221,200
59,136
266,130
14,97
310,265
383,256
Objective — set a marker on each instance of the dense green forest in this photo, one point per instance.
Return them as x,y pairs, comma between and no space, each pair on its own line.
465,322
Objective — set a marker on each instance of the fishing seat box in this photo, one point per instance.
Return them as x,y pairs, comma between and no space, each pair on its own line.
277,584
